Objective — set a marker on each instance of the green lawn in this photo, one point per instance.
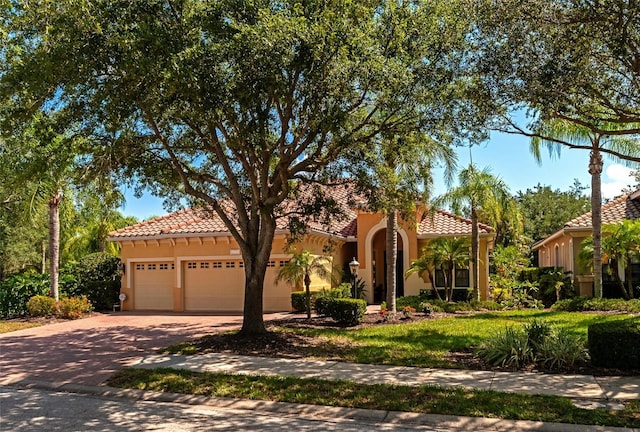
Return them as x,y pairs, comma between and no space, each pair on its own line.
426,343
421,343
9,326
423,399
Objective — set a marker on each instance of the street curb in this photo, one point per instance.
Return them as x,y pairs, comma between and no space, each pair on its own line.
315,411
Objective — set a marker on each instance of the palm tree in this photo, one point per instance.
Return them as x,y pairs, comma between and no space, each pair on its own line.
428,262
299,269
446,254
599,138
402,172
621,242
479,192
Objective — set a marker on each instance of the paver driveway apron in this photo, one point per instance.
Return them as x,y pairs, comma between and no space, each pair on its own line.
89,350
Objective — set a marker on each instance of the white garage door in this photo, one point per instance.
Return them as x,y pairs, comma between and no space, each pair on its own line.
214,285
153,285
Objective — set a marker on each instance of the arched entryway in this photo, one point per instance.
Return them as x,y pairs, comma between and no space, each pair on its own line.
379,266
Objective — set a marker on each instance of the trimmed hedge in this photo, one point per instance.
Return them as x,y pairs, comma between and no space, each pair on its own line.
615,344
347,311
299,298
580,304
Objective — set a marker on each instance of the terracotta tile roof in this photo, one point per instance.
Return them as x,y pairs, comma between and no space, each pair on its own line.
195,222
445,223
625,207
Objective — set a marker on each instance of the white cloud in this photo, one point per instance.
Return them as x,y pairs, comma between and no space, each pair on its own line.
616,178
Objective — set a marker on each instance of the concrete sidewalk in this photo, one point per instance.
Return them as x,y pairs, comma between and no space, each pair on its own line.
587,391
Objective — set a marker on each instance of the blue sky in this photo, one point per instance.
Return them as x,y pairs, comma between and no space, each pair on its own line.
506,155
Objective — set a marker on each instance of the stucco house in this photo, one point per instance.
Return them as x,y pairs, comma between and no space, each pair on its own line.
188,260
562,247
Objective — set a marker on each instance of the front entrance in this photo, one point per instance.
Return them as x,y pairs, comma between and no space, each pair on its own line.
379,267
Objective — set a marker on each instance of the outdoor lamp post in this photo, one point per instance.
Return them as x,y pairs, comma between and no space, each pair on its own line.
354,265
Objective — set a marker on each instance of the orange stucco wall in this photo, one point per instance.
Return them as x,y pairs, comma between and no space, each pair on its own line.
178,253
214,267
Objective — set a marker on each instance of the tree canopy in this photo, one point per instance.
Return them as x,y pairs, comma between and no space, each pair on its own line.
546,210
233,103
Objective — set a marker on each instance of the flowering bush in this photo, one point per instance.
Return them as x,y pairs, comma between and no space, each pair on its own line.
72,307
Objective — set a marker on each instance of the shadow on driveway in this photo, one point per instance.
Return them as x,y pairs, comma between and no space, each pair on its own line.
88,351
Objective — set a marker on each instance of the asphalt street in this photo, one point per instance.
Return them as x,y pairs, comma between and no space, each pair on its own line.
28,410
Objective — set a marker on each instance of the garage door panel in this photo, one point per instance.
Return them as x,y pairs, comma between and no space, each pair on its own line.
153,286
214,286
219,286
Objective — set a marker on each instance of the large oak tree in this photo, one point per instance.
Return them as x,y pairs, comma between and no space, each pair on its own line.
233,103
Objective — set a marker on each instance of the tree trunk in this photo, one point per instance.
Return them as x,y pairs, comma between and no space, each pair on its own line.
595,169
256,257
475,253
43,267
307,286
613,267
54,242
453,280
433,284
627,272
392,257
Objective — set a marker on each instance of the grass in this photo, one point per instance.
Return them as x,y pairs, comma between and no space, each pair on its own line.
10,326
425,343
423,399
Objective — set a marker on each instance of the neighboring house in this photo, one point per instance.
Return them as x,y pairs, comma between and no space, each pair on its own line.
561,248
188,260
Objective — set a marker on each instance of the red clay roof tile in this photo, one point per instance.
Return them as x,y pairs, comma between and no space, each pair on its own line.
614,211
199,222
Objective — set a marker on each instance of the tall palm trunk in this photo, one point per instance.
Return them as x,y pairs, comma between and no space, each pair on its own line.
54,242
475,253
595,169
392,257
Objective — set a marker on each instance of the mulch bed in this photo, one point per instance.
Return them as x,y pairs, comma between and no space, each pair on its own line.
286,344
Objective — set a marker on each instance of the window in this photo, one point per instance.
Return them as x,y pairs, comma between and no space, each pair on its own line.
191,265
173,266
283,263
230,264
139,266
462,278
241,264
217,264
271,264
164,266
204,265
151,267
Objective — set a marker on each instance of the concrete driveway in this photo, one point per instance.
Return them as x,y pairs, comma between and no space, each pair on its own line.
89,350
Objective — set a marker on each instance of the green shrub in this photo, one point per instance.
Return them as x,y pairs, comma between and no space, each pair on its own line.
299,299
347,311
509,348
561,349
39,306
429,307
537,331
615,344
72,307
16,291
579,304
98,278
410,301
321,303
